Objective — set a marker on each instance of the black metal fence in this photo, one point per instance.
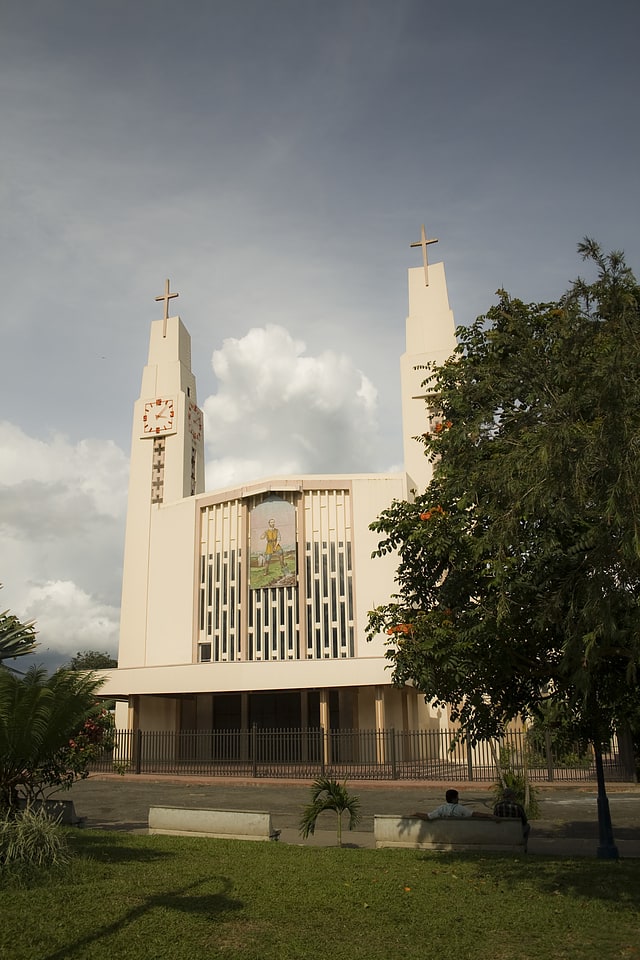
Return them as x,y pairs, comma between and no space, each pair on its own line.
353,754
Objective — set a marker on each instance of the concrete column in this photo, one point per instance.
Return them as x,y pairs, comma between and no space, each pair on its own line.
324,723
380,724
379,695
405,710
134,731
134,712
405,723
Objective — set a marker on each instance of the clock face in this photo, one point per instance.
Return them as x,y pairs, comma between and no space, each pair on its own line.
194,416
159,417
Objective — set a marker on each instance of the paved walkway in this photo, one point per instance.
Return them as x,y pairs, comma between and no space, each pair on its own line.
567,825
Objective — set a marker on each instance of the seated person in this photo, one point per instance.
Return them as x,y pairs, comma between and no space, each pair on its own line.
452,809
508,806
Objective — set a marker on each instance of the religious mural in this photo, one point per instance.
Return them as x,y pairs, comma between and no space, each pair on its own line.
272,529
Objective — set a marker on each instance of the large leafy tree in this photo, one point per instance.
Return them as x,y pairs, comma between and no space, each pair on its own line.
519,566
91,660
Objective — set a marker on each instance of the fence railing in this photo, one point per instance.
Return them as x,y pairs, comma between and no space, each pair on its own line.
354,754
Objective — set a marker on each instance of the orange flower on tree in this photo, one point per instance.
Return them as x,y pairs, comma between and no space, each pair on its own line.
427,514
405,628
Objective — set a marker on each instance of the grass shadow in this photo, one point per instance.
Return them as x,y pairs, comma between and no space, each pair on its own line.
109,847
615,883
212,905
582,830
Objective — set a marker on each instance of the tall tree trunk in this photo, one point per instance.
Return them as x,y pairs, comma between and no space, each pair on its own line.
607,849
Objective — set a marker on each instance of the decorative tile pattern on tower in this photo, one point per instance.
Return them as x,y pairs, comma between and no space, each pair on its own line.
157,470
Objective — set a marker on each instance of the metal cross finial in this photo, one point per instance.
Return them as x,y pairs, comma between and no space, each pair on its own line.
166,297
423,242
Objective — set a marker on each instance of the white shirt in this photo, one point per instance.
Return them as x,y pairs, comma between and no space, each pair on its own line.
449,811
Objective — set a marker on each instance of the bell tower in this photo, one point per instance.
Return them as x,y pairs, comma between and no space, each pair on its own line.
430,338
167,465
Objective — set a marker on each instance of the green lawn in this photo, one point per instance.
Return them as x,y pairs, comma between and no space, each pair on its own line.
140,898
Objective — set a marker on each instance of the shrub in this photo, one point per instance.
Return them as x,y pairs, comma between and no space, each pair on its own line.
512,775
51,730
31,838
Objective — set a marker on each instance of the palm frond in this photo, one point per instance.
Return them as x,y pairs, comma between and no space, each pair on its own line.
17,639
329,794
38,717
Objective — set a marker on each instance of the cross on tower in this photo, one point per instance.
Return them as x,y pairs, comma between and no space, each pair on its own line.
166,297
423,242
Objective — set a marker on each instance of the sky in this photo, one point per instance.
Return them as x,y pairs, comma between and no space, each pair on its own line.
275,159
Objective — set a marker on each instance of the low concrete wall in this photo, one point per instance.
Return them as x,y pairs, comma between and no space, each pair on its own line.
452,834
230,824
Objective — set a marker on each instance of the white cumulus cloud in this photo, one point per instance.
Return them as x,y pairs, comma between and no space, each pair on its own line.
62,510
279,411
69,620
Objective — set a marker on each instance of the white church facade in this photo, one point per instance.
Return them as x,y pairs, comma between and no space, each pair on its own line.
248,605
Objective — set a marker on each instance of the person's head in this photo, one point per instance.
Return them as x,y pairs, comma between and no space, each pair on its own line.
451,796
508,794
272,522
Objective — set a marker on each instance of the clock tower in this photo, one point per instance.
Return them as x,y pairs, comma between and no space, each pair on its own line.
167,465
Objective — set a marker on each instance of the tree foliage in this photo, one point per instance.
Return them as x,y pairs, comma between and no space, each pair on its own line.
519,566
91,660
17,639
51,728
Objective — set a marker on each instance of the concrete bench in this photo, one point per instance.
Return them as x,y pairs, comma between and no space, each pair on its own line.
224,824
452,834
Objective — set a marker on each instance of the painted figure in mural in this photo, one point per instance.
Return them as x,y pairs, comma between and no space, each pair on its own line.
273,549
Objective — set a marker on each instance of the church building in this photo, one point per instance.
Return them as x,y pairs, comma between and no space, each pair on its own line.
248,605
